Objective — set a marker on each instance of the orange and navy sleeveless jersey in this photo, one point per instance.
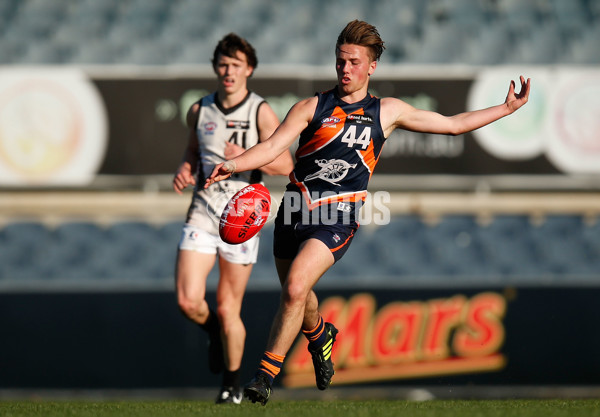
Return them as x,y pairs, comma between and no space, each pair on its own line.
338,150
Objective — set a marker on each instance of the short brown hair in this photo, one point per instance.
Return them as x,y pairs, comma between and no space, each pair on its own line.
361,33
230,45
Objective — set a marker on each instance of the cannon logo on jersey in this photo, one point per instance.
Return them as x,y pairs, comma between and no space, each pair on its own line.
332,170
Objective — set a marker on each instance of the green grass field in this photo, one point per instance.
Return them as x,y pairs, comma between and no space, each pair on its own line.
434,408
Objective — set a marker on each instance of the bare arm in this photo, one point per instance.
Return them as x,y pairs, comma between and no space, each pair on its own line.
267,124
185,174
267,151
397,114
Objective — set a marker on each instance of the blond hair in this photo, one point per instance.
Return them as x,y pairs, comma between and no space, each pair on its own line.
362,33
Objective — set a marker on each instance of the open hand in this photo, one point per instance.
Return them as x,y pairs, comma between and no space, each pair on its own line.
513,100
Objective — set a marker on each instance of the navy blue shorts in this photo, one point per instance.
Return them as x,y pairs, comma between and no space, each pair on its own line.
289,236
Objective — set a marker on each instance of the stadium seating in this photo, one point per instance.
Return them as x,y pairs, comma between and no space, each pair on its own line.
456,249
429,32
562,247
24,250
75,250
489,48
585,51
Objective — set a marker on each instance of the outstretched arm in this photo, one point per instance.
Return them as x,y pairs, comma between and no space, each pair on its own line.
397,114
265,152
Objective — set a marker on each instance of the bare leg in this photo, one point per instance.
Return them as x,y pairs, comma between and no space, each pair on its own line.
311,314
298,303
192,269
230,294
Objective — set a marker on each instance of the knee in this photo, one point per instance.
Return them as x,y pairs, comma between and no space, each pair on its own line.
294,293
193,309
224,311
228,310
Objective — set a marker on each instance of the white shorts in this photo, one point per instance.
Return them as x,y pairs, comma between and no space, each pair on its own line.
196,239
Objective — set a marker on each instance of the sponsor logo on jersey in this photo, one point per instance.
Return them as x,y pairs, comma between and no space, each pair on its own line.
330,121
345,207
336,238
360,119
238,124
209,128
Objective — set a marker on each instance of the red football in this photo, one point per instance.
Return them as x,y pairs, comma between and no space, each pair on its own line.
245,214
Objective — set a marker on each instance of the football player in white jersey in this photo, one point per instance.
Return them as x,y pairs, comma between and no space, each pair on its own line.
222,125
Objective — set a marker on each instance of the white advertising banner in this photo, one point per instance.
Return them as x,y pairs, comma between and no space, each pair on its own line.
561,120
53,127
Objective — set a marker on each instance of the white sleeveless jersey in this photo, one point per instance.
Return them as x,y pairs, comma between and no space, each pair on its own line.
214,128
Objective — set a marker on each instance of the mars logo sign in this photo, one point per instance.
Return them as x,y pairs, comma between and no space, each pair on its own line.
449,336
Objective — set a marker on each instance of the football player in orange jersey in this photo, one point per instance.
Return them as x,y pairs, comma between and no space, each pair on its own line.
341,134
